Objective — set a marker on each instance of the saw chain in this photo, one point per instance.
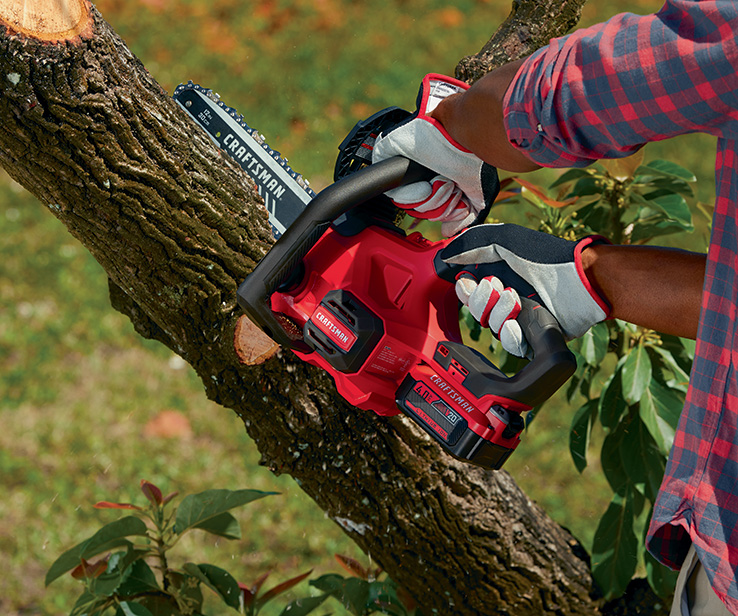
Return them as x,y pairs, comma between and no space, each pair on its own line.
285,192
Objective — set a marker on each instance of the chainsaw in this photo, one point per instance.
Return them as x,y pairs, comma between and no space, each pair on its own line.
346,289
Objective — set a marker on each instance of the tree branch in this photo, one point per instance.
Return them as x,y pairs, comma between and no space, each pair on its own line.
529,26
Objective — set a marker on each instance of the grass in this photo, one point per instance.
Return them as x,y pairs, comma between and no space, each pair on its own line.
79,390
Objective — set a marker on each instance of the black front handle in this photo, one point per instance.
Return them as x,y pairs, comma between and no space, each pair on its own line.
287,253
551,365
540,379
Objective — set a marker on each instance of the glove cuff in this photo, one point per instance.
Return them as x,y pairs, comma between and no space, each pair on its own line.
591,240
433,89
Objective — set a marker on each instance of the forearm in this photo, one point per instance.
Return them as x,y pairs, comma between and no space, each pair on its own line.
474,120
658,288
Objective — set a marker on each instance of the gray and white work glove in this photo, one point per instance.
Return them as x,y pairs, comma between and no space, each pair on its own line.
465,185
552,266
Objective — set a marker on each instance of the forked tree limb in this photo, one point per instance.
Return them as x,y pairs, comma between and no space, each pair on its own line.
177,226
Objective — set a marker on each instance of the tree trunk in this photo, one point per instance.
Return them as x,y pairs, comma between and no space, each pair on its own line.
177,226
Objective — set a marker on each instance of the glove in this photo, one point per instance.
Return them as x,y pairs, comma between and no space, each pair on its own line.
465,185
495,306
551,265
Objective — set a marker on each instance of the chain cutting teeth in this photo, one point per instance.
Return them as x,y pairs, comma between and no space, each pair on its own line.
256,135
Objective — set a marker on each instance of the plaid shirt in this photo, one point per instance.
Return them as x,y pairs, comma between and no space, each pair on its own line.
603,92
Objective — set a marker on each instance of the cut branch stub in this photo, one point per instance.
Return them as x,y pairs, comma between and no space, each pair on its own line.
47,20
252,345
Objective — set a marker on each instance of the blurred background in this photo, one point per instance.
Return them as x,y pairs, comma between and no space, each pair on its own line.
88,408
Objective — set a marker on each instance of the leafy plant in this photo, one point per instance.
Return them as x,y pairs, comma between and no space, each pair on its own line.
631,381
363,593
134,578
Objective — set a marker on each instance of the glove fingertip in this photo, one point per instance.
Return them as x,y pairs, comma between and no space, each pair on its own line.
411,195
512,339
464,288
506,308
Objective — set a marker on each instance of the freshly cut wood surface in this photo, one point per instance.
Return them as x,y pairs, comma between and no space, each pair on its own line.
253,346
49,20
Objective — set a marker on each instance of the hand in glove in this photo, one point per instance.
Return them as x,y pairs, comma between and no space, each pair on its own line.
464,187
551,265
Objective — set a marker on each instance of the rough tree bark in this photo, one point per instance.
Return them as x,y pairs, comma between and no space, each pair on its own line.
177,226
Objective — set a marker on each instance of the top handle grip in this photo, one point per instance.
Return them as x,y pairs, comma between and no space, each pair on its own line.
288,252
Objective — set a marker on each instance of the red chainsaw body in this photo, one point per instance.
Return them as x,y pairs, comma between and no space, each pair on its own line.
350,293
384,324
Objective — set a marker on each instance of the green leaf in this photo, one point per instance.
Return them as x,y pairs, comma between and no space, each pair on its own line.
615,548
642,460
474,327
660,409
581,429
594,344
117,572
643,232
141,579
612,404
198,509
300,607
87,603
569,176
218,580
667,359
668,168
689,347
611,460
675,207
586,186
353,593
681,349
582,377
383,597
666,183
107,538
660,577
636,374
594,216
223,525
130,608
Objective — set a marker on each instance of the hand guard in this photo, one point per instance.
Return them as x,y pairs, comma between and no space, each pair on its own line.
465,186
551,265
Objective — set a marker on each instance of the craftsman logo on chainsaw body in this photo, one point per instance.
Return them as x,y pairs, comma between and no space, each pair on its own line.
452,393
338,333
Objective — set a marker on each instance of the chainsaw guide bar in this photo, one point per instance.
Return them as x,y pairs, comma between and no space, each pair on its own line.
285,192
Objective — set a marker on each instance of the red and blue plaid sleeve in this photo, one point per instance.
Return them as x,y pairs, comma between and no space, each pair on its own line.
603,92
